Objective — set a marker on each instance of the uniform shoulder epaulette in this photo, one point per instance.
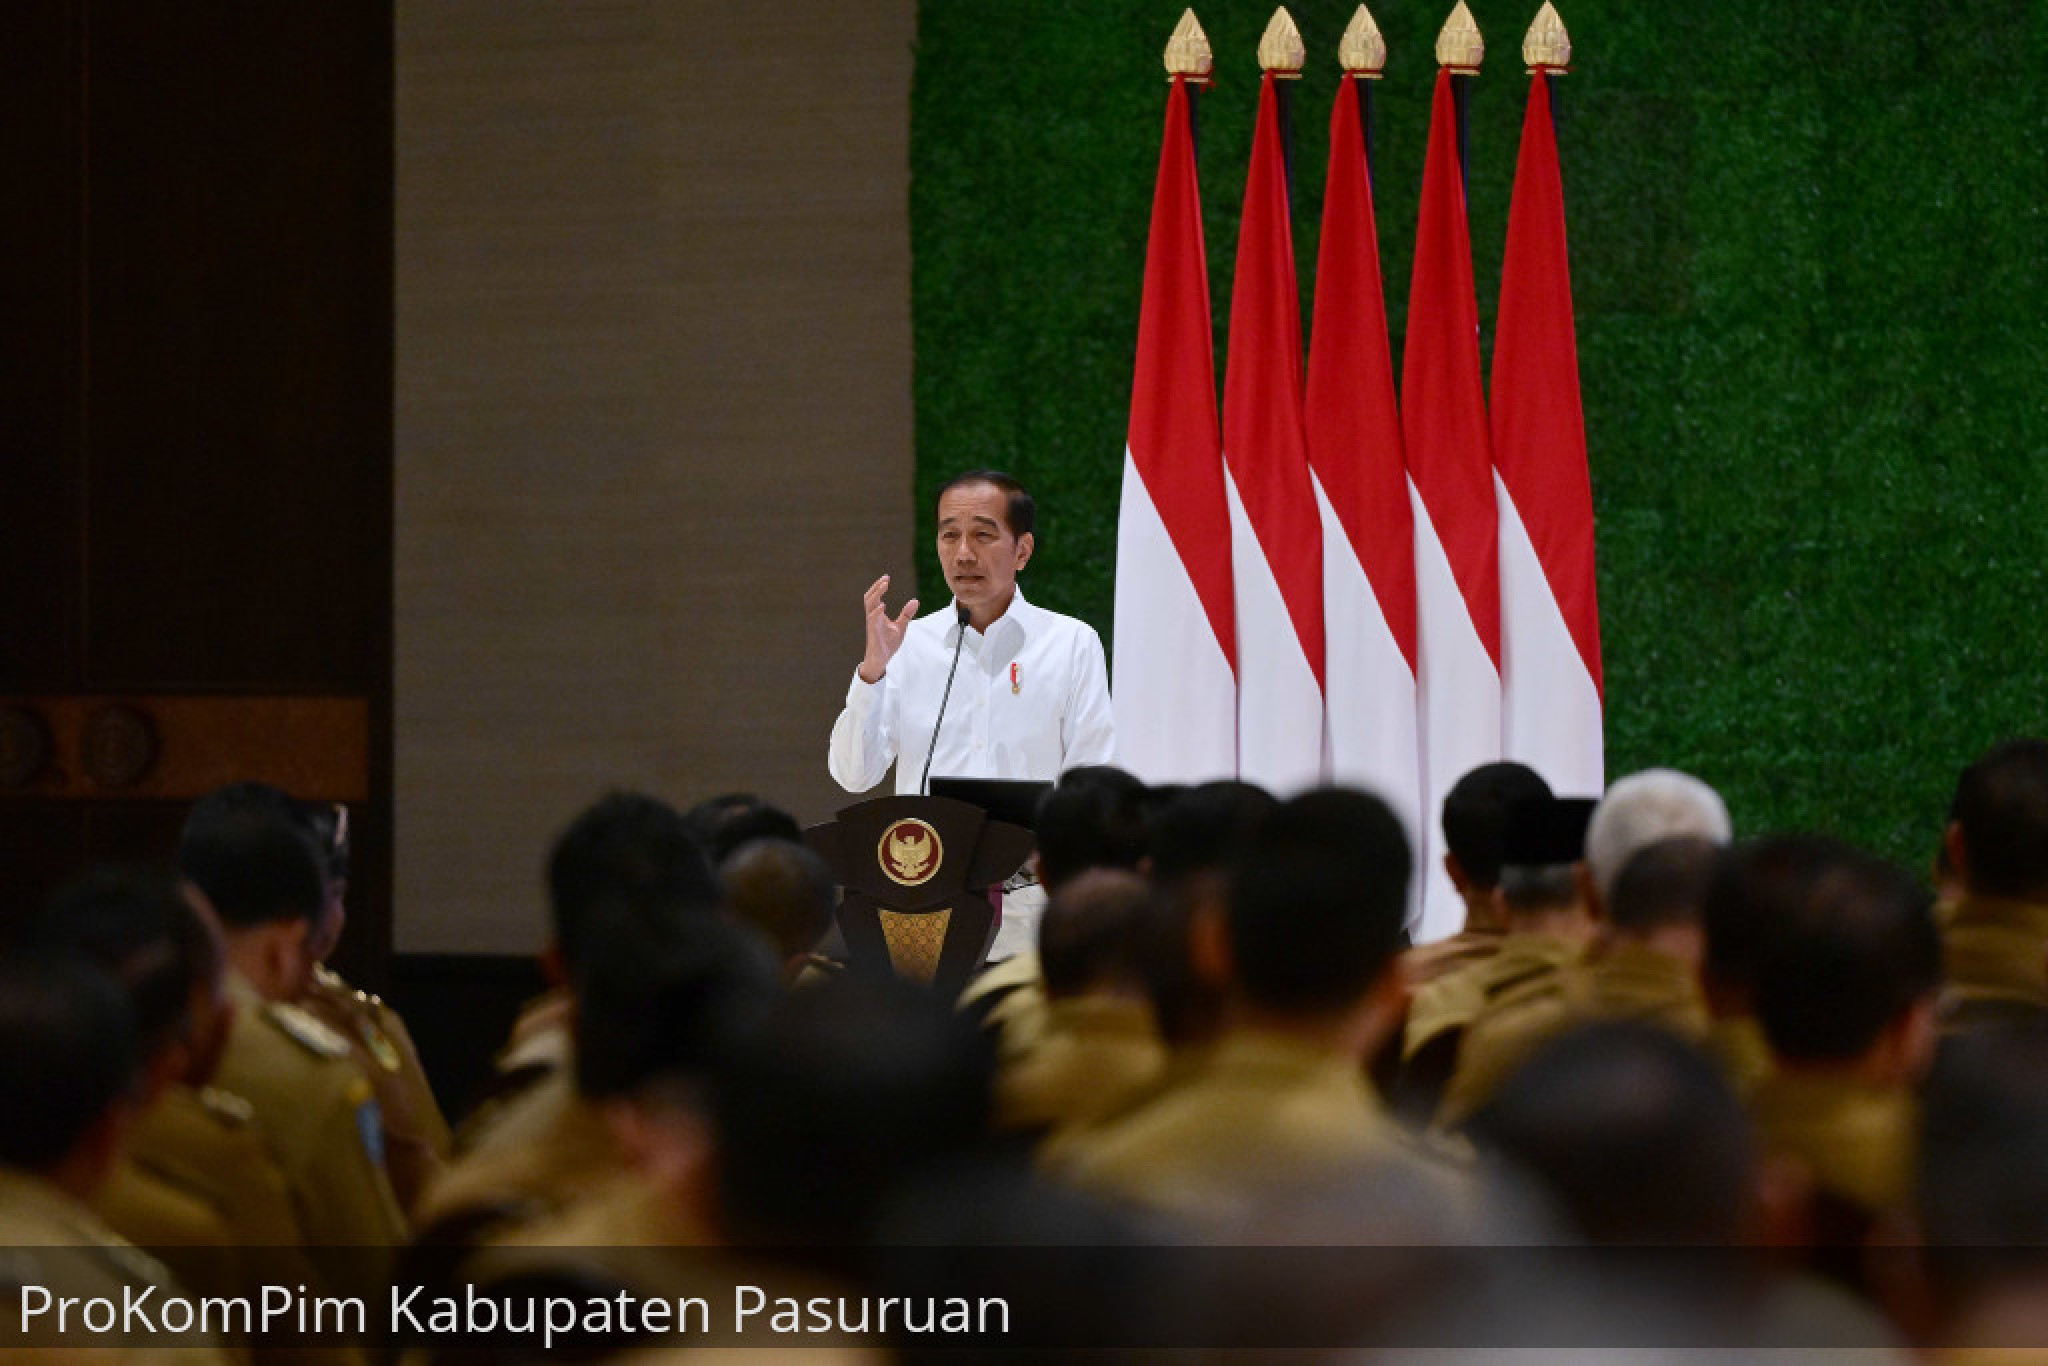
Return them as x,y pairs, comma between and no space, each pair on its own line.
314,1037
226,1106
333,982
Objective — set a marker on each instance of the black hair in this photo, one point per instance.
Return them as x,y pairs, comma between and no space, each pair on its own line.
1202,828
1981,1169
67,1053
1317,901
255,866
319,822
1663,883
1475,816
137,927
663,1007
1020,511
1095,929
846,1093
782,889
1094,818
723,823
1631,1130
1847,943
627,852
2001,803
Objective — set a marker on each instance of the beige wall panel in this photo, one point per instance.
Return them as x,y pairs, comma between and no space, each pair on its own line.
654,416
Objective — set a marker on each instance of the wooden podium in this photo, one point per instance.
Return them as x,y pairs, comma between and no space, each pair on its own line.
918,874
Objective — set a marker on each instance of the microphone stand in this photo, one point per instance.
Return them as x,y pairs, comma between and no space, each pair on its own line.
924,782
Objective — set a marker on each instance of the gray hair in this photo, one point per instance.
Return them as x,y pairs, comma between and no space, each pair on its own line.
1646,807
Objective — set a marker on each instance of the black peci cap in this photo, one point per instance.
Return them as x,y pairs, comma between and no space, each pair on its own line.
1546,831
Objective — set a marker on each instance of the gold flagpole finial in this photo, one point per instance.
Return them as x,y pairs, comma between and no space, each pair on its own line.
1459,45
1546,46
1362,51
1280,50
1188,55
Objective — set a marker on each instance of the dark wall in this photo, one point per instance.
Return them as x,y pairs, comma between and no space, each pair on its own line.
195,425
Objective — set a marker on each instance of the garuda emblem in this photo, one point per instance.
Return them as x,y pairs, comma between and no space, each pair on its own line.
910,852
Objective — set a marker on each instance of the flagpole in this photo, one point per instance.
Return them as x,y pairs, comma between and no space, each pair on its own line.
1281,52
1362,56
1460,49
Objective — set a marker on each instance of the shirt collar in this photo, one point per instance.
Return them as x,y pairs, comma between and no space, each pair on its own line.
1018,611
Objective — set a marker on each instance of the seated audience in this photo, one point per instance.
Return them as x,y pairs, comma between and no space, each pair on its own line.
1995,935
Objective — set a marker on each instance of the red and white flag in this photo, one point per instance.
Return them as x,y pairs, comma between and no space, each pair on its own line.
1551,684
1457,564
1277,539
1361,477
1175,690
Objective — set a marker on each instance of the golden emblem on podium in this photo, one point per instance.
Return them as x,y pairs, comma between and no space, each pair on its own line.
910,852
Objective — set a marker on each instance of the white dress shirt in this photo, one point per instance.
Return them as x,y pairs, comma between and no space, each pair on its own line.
1030,701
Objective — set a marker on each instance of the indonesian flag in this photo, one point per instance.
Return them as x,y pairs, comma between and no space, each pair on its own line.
1457,564
1550,615
1175,691
1276,533
1361,479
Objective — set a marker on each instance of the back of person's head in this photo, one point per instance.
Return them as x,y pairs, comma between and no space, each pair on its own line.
1191,837
1475,817
1643,808
1633,1133
1981,1176
629,851
1093,818
1540,849
2001,810
137,927
254,866
67,1054
1663,884
1317,902
723,823
1094,933
664,1008
782,889
1846,945
1203,828
846,1093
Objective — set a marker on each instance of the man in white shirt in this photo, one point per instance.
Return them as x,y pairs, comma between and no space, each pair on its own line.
1031,697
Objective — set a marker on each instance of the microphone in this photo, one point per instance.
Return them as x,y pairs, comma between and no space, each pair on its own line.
924,782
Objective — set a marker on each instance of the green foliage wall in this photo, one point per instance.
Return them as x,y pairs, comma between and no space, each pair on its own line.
1809,251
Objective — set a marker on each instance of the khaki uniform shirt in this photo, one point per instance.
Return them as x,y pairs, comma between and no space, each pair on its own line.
1017,1019
1261,1115
416,1138
1623,981
1738,1047
49,1239
1425,963
1994,958
1855,1140
319,1122
549,1150
1096,1053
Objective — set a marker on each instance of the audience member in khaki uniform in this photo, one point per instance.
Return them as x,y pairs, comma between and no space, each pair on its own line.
1981,1199
314,1109
1643,966
1995,935
785,893
627,870
69,1071
1101,1044
1549,922
1845,984
1313,926
1095,817
416,1135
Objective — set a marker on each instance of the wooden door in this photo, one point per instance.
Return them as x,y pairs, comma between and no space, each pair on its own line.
195,427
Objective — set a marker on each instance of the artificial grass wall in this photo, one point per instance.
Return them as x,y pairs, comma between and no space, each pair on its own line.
1808,253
